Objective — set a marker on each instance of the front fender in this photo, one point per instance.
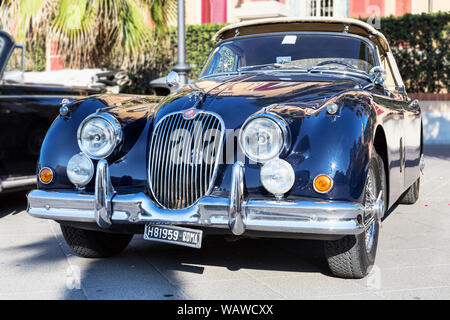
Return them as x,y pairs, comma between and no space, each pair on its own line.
60,143
336,145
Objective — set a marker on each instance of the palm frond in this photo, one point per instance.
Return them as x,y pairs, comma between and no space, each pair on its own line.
20,15
91,33
134,31
163,13
72,28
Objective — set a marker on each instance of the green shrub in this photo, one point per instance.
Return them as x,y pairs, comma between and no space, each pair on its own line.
420,45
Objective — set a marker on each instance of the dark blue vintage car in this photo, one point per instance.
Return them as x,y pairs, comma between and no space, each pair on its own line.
296,128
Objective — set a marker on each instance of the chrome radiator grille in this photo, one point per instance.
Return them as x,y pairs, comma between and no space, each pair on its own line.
184,156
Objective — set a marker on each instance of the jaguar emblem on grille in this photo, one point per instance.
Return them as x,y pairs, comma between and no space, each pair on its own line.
189,114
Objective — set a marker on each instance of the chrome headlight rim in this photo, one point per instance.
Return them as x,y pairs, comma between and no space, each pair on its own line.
116,129
280,122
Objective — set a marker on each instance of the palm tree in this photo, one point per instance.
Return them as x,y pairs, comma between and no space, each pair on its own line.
90,32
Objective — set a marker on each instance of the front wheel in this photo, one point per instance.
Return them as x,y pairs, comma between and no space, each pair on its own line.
95,244
353,256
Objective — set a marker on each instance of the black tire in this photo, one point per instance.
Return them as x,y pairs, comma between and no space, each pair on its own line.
412,194
351,257
95,244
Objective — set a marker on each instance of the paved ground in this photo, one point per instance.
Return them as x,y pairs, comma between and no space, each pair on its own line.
413,259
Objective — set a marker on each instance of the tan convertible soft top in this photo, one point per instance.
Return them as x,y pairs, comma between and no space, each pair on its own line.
286,24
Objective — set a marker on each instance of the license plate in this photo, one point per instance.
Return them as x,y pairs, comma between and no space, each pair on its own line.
175,235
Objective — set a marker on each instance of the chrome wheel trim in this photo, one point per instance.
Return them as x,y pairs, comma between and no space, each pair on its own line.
369,236
370,200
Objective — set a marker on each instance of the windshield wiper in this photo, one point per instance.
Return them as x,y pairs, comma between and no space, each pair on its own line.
261,66
343,69
309,69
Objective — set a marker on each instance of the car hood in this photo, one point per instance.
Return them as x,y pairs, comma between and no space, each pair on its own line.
235,98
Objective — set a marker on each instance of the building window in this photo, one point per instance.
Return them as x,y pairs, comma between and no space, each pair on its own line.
326,8
312,7
321,8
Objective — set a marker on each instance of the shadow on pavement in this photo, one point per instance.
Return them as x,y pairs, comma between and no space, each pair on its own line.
391,209
112,278
284,255
37,253
12,203
38,271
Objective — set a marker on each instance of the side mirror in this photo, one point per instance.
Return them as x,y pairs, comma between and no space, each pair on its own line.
377,75
173,79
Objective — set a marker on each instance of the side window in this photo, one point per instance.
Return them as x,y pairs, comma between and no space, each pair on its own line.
390,80
226,61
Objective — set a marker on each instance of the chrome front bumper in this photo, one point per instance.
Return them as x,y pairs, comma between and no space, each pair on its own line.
106,207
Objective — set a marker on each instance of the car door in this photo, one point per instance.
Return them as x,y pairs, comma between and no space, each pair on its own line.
394,102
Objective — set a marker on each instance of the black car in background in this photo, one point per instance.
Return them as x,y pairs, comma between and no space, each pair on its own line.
26,112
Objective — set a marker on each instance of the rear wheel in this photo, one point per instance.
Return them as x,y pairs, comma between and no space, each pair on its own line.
95,244
412,194
353,256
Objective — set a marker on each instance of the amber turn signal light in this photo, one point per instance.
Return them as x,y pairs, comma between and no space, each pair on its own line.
46,175
323,183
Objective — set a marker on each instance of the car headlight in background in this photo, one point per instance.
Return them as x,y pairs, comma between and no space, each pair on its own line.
263,137
80,169
98,135
277,176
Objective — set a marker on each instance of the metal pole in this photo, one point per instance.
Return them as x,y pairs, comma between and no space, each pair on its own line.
181,67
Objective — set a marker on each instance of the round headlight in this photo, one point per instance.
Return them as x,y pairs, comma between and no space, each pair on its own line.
262,138
98,135
277,176
80,169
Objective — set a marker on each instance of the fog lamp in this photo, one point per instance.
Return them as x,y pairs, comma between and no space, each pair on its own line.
323,183
80,169
46,175
277,176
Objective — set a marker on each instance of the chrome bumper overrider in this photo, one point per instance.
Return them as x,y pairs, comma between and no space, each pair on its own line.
237,213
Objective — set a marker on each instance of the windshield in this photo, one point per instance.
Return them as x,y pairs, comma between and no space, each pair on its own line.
291,51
